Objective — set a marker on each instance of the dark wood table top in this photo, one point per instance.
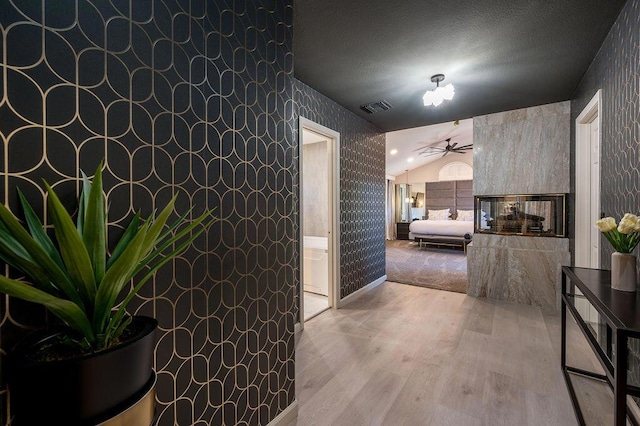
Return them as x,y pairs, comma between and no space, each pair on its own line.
620,307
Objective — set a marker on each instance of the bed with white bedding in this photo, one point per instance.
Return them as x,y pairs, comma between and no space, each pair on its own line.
449,213
454,228
455,233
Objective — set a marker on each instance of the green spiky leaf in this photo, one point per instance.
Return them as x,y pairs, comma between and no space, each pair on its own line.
72,248
116,277
94,230
38,231
39,256
66,310
126,238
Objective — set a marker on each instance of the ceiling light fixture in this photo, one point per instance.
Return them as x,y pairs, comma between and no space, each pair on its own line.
410,159
440,94
393,152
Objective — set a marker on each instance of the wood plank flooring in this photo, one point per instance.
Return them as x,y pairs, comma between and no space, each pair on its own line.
406,355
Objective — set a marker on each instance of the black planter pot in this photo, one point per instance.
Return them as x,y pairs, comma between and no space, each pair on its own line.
84,390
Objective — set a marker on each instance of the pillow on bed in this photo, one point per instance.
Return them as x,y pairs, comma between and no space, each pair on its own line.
465,215
439,214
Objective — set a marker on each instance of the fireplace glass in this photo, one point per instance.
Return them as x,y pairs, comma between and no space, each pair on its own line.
530,215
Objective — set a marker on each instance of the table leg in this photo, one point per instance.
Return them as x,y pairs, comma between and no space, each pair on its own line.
620,379
563,327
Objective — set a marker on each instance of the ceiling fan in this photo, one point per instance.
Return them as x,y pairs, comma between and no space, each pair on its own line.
430,150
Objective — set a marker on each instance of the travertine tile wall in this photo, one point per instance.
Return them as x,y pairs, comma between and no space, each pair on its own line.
524,151
517,269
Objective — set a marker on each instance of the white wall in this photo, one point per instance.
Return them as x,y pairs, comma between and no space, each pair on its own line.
429,172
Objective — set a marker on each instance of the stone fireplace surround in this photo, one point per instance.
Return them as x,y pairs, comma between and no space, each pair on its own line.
515,268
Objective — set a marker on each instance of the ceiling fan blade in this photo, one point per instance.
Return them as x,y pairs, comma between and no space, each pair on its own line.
426,148
454,145
445,153
431,154
430,151
431,144
466,146
458,152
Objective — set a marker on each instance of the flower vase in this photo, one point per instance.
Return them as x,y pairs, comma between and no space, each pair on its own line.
623,271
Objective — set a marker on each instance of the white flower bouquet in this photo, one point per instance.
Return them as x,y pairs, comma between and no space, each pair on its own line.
625,236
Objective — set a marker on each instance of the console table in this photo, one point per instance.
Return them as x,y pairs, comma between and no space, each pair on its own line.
619,320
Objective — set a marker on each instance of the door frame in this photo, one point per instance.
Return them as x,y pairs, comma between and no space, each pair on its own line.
583,179
333,148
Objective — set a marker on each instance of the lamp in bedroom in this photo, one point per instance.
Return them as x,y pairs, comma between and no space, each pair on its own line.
439,94
408,198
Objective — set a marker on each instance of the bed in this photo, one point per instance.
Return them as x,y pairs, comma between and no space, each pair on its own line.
442,232
450,205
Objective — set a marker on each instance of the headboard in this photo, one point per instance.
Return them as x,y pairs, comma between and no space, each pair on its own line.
453,194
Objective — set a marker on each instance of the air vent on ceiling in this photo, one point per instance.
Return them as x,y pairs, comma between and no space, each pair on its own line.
376,106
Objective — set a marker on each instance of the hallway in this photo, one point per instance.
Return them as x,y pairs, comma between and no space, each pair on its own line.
417,356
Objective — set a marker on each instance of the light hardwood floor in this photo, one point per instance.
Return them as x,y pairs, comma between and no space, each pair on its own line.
406,355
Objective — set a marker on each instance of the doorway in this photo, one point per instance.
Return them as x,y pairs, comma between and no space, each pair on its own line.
319,221
587,207
588,129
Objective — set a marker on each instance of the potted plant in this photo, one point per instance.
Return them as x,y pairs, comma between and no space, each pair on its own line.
624,238
100,356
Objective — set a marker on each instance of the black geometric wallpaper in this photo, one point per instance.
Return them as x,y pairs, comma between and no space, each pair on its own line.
616,70
184,97
362,187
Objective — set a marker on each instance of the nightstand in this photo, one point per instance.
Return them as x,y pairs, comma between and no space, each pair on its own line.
402,230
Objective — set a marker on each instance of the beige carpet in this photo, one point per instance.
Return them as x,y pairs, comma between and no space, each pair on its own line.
441,268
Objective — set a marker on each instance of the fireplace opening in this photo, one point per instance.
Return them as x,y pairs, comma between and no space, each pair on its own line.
540,215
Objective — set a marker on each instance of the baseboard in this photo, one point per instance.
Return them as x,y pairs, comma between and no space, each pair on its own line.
287,416
358,293
297,332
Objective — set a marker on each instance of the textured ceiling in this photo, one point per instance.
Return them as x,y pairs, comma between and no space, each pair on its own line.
500,55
